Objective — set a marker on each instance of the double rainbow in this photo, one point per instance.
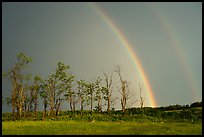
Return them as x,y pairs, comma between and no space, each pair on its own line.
129,49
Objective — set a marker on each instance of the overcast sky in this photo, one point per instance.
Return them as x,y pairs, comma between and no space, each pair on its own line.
167,38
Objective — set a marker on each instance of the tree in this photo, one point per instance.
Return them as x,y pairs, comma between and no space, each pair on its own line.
28,102
81,93
44,95
124,90
107,90
15,75
64,83
90,94
69,96
141,98
68,81
51,87
98,90
35,90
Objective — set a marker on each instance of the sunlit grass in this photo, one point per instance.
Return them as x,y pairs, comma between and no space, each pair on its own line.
99,127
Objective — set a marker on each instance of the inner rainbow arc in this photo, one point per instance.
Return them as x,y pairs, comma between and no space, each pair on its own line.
129,49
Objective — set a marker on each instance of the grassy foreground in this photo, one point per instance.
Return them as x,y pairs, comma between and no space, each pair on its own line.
100,127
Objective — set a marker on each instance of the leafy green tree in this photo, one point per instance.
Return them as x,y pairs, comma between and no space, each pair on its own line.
57,84
98,91
64,83
44,95
107,90
51,87
81,93
27,105
69,96
35,90
90,94
15,75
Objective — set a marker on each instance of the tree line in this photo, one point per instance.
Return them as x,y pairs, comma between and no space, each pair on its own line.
59,86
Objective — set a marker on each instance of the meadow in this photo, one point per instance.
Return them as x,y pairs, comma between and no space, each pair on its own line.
150,121
73,127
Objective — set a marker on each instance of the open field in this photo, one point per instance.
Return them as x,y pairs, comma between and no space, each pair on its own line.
100,127
150,121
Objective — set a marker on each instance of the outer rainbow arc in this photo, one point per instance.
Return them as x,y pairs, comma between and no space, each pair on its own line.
127,46
177,49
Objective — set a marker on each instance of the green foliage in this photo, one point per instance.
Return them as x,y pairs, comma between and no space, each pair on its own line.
157,115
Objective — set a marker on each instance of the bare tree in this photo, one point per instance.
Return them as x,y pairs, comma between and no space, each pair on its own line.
141,98
124,89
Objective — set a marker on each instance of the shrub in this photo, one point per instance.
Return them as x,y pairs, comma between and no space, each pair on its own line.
196,104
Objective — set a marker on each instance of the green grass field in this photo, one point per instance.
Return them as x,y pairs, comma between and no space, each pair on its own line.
100,127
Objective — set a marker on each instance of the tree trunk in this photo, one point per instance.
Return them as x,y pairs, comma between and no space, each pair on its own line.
82,102
99,103
21,100
36,107
91,101
74,103
70,103
45,106
13,105
108,109
57,109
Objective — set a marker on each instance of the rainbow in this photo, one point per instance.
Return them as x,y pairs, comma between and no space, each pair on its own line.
177,49
129,49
